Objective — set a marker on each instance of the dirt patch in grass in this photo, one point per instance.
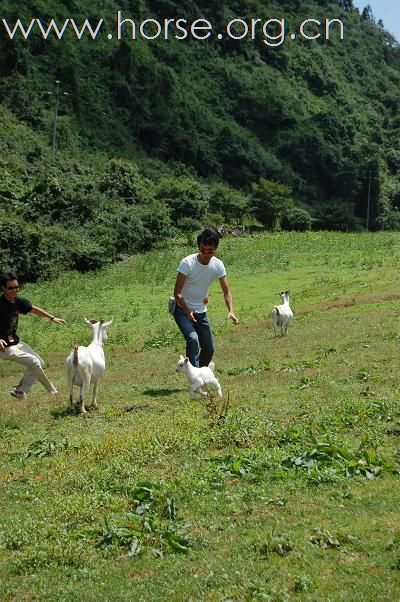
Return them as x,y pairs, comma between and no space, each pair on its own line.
366,301
351,303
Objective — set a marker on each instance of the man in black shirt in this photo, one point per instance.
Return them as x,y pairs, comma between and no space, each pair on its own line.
11,347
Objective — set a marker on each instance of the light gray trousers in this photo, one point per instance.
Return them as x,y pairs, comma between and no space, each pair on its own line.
24,355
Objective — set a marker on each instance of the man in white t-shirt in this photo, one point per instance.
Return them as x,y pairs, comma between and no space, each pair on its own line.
195,274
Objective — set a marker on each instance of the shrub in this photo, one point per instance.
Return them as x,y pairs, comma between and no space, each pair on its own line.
390,220
230,203
296,218
188,224
122,179
337,216
35,252
186,197
270,200
157,220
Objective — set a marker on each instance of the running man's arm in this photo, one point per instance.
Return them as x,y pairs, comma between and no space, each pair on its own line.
43,314
180,281
228,299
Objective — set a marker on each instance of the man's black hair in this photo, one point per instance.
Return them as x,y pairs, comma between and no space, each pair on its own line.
5,277
208,237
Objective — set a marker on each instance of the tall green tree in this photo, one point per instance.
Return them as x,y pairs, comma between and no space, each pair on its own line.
270,200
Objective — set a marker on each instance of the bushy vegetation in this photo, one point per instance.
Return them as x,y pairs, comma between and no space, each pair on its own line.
297,218
165,134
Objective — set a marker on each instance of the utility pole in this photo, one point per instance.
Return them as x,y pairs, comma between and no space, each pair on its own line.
368,199
57,93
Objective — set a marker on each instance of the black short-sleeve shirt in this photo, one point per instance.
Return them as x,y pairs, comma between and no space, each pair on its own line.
9,312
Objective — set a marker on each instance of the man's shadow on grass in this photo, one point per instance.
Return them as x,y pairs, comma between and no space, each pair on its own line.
58,413
160,392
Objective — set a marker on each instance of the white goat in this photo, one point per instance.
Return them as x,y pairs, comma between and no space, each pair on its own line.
199,378
282,314
85,365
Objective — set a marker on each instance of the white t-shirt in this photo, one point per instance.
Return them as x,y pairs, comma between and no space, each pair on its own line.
198,279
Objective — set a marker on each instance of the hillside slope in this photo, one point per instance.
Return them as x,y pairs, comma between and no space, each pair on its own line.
320,116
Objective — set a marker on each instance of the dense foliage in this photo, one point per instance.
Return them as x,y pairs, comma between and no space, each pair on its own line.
166,134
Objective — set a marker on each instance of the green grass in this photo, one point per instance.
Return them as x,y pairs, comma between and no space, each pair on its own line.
225,514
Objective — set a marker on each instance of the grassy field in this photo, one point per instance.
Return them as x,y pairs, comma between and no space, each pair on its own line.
293,495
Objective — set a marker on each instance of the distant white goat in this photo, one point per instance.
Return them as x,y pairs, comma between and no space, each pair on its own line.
282,314
85,365
199,378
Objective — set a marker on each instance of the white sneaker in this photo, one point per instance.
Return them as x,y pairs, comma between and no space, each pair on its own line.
18,393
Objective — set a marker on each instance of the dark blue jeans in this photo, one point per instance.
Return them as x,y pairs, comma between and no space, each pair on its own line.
198,336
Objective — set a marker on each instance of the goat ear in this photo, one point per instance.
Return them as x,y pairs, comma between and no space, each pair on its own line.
287,292
107,324
90,322
282,293
186,360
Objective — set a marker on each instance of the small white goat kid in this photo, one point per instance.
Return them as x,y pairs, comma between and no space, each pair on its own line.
199,378
282,314
85,365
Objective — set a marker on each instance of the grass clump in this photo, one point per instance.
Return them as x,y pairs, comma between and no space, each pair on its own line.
151,522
